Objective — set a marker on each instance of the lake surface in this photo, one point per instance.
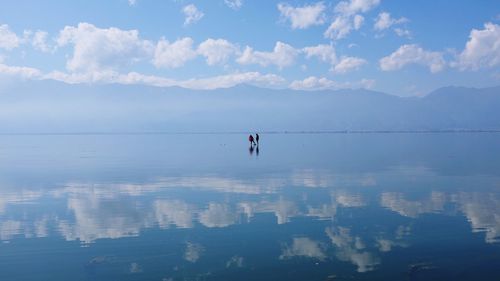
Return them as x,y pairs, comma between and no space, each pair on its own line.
204,207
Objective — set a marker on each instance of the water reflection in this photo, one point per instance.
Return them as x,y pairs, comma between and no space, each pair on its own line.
216,221
87,212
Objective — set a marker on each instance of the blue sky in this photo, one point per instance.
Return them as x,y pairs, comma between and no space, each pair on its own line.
402,47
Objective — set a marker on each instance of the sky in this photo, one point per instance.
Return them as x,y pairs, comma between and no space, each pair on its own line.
402,47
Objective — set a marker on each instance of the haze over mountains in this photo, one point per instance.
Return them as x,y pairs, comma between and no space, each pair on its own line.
55,107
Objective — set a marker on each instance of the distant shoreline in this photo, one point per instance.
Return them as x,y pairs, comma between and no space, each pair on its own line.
269,132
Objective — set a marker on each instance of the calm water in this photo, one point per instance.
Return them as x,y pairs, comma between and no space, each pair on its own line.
201,207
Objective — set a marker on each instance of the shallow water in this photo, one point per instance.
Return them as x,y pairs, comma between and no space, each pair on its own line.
202,207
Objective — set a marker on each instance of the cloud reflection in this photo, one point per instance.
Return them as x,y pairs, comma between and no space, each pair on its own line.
352,249
96,210
397,203
304,247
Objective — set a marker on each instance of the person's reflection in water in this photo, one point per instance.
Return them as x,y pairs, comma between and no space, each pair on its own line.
250,149
257,150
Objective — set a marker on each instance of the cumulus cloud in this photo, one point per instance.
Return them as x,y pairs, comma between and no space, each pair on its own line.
339,28
348,18
234,4
172,55
385,21
482,50
282,55
413,54
347,64
323,52
102,48
303,17
313,83
8,39
355,6
217,51
326,53
192,14
39,41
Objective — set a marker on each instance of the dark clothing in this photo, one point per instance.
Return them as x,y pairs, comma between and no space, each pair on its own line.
257,138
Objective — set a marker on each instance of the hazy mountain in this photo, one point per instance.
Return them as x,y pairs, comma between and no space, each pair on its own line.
50,106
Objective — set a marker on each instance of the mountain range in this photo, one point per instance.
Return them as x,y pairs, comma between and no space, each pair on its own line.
55,107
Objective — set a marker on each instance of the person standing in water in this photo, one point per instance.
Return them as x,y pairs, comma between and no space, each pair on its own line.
257,138
250,139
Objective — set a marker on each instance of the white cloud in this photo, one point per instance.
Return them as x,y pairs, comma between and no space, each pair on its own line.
313,83
20,71
230,80
174,54
358,21
283,55
323,52
352,7
482,50
209,83
326,53
367,84
132,2
192,14
97,48
234,4
401,32
347,64
384,21
8,39
303,17
413,54
39,41
217,51
347,17
339,28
